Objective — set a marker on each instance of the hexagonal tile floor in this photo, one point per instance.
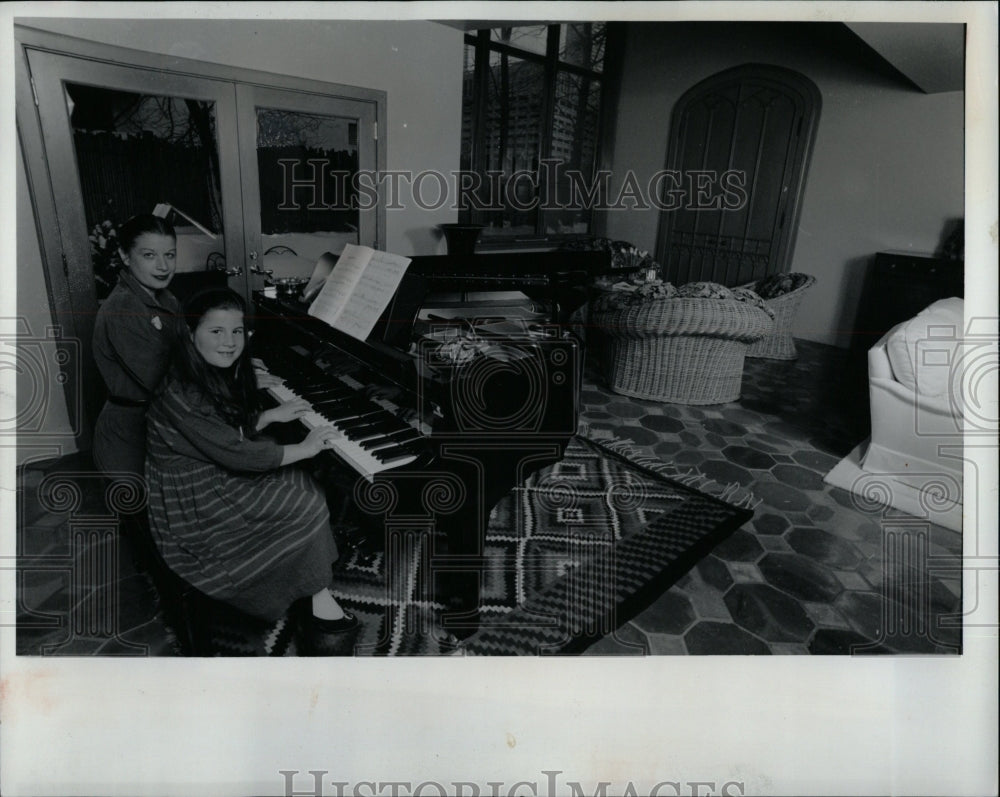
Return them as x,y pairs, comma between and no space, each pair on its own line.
812,572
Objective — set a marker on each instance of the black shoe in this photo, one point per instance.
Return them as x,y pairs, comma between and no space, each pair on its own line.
318,637
344,625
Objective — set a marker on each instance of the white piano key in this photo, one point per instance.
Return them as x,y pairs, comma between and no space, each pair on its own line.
360,459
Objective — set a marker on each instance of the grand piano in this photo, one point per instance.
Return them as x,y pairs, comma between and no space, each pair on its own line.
440,417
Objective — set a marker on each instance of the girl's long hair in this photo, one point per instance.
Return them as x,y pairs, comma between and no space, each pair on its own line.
232,390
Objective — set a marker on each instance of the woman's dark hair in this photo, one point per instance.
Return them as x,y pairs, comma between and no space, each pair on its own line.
232,390
141,224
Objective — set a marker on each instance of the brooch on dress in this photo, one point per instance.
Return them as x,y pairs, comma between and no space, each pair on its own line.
157,322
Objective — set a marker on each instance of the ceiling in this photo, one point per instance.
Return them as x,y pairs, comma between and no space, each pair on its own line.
929,55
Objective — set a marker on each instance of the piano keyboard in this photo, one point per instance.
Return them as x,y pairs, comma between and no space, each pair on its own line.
371,438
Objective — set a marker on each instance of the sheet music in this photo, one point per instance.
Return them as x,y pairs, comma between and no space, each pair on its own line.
372,294
322,270
359,289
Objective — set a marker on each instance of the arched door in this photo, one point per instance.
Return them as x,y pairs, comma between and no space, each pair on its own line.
737,158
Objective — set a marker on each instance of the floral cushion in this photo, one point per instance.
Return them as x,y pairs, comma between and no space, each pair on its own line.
748,296
623,254
704,290
626,294
779,284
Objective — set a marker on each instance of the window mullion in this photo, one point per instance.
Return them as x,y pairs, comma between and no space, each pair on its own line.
480,149
614,49
548,113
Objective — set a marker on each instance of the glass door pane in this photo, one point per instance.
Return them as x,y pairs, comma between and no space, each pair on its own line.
147,153
122,140
303,156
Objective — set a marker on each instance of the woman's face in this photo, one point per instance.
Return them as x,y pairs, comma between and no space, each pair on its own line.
152,260
219,337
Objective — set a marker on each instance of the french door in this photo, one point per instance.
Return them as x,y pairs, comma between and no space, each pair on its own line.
258,173
121,140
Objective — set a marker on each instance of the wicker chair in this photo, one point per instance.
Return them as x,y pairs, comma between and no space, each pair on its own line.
680,350
779,344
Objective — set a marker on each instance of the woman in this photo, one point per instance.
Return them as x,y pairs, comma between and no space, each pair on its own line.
228,515
133,336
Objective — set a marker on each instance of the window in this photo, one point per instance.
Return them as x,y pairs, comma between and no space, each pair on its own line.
534,102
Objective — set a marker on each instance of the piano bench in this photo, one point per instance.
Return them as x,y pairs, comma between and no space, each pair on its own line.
202,625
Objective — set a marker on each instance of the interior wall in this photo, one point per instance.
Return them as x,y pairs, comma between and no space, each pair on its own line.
417,63
44,428
887,171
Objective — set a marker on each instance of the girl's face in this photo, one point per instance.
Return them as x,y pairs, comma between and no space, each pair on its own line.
219,337
152,260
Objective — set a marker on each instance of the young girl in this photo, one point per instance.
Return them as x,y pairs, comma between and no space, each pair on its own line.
227,515
133,335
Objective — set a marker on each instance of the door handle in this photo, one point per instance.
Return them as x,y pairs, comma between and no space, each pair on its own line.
255,268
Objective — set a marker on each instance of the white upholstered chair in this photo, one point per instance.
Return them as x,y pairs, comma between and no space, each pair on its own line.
914,375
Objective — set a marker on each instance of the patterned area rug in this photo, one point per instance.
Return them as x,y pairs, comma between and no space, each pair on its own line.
569,555
577,550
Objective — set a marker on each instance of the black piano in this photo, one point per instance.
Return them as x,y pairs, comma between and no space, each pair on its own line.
440,418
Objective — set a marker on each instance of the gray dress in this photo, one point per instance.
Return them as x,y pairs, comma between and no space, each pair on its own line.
133,337
226,516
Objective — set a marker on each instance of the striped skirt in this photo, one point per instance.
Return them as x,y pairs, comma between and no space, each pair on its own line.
255,541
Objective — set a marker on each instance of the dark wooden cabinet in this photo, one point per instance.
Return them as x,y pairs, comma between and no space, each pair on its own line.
898,286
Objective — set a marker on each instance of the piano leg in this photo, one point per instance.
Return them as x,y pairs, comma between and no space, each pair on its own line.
450,502
488,472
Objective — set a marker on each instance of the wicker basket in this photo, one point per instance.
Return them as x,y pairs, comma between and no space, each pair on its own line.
681,350
779,344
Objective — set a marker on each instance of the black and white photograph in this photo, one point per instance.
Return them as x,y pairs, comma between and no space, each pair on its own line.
499,399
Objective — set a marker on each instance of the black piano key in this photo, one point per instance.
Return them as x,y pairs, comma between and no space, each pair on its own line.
365,419
369,431
358,433
387,441
372,409
340,417
322,394
316,382
366,436
395,430
387,455
348,406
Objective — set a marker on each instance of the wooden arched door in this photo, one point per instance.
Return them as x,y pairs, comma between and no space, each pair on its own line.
737,158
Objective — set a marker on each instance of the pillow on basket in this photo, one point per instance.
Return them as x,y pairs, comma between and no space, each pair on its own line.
704,290
779,284
626,294
752,298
